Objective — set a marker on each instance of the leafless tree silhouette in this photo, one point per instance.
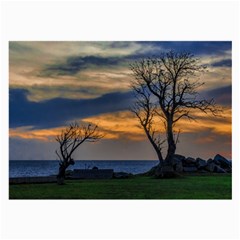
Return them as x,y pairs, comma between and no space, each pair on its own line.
166,87
70,139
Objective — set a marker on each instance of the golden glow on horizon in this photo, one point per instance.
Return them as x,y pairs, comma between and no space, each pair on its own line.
37,134
218,125
124,125
118,125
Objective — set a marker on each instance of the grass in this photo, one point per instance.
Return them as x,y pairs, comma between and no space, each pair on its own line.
140,187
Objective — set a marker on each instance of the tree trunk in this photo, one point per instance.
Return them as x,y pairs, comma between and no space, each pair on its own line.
62,169
166,170
61,174
171,144
160,158
156,148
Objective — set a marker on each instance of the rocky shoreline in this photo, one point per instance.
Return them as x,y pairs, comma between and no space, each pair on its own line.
218,164
181,164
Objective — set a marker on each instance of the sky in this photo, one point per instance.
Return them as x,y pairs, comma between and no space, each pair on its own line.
54,83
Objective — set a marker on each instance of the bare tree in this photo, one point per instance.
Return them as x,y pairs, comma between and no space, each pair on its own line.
145,111
70,139
163,88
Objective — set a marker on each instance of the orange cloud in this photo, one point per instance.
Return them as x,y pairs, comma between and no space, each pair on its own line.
124,125
38,134
218,125
118,125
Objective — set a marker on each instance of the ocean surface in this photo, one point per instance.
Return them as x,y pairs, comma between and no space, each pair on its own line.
32,168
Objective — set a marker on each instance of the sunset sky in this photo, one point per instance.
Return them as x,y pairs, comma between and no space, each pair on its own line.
54,83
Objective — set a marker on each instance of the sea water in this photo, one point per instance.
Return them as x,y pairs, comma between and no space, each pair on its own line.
31,168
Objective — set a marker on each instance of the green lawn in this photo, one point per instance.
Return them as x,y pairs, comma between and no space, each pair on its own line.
188,187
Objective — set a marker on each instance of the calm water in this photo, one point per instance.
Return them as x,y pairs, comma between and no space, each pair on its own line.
19,168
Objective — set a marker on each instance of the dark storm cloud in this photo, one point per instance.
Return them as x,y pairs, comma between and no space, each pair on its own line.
55,112
222,95
223,63
72,65
195,47
75,64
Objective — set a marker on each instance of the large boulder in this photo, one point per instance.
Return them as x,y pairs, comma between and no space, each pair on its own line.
210,160
178,157
223,162
201,163
152,171
218,169
190,169
216,162
228,170
177,162
210,166
178,167
189,162
166,172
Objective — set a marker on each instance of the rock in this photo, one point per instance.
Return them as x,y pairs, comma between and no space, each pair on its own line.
178,157
177,162
216,162
167,172
228,170
218,169
210,166
224,163
190,165
167,168
178,167
152,171
189,162
95,168
202,171
190,169
200,163
209,161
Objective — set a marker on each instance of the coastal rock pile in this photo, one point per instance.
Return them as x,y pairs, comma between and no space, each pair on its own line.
218,165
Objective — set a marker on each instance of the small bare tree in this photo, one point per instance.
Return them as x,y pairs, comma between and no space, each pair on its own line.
145,110
70,139
167,87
